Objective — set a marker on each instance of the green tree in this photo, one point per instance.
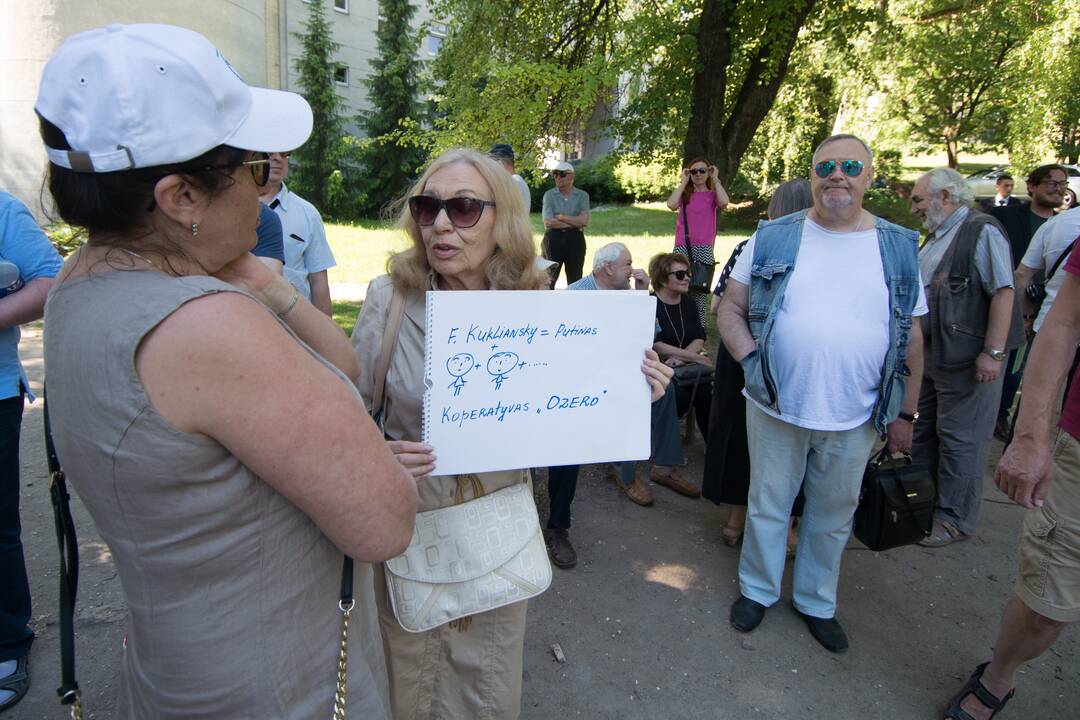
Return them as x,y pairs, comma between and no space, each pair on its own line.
666,77
316,161
395,146
950,68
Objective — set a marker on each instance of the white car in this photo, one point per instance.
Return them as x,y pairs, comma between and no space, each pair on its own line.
984,182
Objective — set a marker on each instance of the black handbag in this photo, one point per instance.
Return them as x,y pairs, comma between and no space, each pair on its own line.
896,503
701,273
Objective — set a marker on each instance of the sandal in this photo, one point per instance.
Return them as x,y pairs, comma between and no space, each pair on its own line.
943,534
17,682
975,687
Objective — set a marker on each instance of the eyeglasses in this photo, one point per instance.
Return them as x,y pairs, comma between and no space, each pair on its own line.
699,171
561,173
851,168
1055,184
679,274
463,212
259,165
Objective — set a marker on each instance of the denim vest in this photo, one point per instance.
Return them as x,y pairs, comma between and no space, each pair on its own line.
776,249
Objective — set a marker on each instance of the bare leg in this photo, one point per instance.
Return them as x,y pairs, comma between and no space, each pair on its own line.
1024,635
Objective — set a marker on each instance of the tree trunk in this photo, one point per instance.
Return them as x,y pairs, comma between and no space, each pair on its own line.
713,131
951,152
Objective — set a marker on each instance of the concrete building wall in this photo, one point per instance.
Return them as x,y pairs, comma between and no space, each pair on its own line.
257,37
32,30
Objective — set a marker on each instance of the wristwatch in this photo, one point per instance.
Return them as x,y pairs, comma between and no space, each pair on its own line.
910,417
998,355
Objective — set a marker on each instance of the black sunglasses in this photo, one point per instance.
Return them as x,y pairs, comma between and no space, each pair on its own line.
561,173
679,274
464,212
851,168
699,171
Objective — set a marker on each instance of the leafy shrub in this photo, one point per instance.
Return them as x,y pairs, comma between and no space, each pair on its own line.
886,203
65,238
651,181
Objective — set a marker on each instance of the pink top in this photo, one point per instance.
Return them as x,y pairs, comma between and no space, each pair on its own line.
1070,415
701,212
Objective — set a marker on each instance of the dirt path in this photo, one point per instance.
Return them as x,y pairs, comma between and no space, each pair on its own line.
642,619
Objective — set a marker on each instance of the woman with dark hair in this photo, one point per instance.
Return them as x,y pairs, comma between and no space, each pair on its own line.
726,479
680,342
463,216
696,200
204,411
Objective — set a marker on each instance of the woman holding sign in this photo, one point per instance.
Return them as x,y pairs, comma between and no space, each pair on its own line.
470,667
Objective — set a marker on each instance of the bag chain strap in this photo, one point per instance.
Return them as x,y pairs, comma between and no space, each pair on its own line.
346,605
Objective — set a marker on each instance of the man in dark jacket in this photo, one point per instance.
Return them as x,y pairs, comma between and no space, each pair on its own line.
1046,186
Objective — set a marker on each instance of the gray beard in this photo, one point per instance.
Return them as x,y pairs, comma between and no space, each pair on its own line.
935,215
836,203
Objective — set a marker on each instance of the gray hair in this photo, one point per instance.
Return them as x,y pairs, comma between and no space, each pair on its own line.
608,254
789,197
952,183
843,136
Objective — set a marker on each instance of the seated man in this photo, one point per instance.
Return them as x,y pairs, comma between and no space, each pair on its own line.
612,270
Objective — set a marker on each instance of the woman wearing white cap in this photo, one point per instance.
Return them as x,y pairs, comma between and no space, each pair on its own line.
197,400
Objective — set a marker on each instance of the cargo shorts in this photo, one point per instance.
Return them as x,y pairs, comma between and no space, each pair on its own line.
1049,552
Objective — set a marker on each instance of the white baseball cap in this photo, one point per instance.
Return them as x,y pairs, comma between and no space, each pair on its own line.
136,96
565,167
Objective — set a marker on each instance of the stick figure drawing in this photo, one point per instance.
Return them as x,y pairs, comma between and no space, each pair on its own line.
459,366
499,366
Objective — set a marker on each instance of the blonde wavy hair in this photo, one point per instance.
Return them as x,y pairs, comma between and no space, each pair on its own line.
512,265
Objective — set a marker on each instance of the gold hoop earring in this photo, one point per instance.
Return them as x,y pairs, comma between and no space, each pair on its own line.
194,229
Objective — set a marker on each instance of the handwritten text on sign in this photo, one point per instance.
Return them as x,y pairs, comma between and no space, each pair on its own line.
532,379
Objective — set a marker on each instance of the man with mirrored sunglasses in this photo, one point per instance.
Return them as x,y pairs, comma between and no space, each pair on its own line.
818,311
566,213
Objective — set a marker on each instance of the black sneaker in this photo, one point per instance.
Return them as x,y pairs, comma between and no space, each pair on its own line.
559,549
746,614
826,631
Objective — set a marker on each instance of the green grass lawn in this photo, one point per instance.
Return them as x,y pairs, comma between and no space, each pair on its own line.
361,249
645,228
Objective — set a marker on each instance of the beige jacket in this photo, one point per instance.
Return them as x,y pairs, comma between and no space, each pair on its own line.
445,673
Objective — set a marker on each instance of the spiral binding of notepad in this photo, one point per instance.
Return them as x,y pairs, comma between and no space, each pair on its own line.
429,317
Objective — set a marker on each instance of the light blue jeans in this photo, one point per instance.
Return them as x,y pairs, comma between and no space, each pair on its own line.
829,466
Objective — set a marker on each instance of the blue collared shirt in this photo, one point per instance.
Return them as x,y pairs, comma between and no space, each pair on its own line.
21,242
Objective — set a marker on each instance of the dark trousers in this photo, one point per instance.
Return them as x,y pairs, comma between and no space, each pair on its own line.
666,450
1012,380
565,248
15,634
953,438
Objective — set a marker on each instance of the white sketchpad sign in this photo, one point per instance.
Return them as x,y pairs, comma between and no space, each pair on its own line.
531,379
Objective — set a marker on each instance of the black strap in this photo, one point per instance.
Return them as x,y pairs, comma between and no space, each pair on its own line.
346,581
69,566
686,228
1061,258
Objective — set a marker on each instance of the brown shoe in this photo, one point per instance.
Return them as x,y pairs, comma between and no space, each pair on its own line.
637,491
675,481
559,549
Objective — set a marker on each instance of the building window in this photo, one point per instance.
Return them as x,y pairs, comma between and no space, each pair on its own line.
341,6
341,75
434,43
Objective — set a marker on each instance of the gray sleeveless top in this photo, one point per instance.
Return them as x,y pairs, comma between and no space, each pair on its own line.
232,591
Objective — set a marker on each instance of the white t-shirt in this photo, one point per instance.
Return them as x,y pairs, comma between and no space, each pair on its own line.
1051,239
831,334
